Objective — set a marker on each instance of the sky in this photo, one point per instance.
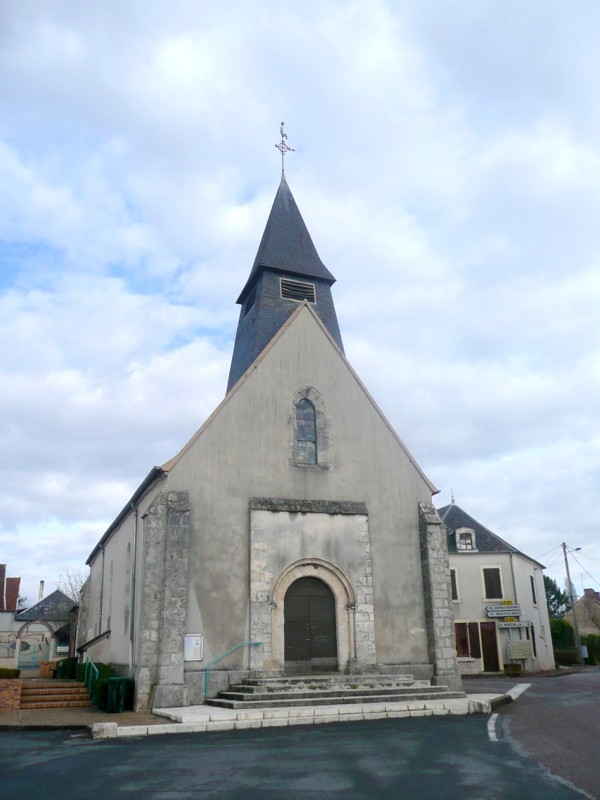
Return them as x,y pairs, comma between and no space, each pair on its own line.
447,165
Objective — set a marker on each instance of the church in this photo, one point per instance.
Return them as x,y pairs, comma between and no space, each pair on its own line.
294,533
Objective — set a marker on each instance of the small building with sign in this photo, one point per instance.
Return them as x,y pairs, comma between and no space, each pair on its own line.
500,610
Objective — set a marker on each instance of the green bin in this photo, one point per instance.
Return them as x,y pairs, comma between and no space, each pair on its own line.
115,695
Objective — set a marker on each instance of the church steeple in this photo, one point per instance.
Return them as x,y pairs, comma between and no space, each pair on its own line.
287,269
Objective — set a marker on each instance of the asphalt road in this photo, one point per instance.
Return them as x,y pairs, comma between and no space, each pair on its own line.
557,722
443,758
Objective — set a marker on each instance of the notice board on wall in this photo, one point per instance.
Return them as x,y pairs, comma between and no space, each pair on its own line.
520,650
194,646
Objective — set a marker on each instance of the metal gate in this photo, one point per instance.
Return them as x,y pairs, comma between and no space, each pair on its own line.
309,628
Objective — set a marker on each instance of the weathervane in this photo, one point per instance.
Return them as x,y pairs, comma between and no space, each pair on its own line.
282,147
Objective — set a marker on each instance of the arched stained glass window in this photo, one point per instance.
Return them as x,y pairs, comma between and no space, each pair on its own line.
306,432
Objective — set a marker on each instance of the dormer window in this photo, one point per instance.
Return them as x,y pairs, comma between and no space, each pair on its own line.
465,539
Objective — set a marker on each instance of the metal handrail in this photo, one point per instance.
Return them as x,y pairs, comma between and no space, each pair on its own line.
219,658
90,676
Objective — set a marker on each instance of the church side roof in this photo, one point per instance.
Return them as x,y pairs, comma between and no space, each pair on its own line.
286,245
155,474
455,517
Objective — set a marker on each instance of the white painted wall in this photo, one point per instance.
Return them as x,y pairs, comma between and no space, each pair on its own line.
471,605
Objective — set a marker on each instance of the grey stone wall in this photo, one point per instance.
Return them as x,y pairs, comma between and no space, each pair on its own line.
438,598
330,540
159,676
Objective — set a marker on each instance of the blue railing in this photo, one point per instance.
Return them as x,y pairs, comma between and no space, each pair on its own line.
221,657
90,675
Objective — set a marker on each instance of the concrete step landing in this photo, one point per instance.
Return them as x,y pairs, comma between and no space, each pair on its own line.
322,690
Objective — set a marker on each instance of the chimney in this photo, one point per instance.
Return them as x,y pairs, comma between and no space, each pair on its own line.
592,594
12,593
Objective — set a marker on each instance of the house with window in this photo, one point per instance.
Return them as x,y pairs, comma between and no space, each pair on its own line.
499,600
293,533
34,634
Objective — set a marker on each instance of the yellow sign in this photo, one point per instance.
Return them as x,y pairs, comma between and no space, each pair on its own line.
510,619
507,602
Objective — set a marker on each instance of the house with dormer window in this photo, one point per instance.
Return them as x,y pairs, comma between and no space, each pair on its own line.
499,600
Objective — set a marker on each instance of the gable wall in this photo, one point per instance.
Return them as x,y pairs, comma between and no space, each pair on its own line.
245,452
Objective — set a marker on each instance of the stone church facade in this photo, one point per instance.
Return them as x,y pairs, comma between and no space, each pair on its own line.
294,532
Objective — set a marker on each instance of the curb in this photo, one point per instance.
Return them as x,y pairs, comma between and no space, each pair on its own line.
201,719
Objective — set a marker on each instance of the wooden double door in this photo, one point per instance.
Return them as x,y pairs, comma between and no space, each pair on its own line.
310,627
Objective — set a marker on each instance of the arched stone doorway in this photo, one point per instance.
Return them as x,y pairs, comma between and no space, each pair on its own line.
343,608
310,636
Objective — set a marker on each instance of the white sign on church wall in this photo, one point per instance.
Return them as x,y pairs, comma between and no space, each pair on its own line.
194,646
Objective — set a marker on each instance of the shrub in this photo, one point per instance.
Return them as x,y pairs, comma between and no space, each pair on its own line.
66,668
562,635
6,673
566,658
104,671
592,642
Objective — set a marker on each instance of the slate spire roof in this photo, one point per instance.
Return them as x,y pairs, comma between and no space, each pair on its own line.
287,270
286,244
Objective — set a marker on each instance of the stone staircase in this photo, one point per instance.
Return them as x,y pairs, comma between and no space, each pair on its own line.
54,694
332,689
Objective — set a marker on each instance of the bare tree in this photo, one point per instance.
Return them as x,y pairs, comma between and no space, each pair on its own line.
71,582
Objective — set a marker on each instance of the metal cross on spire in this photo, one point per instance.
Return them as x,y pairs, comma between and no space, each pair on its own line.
283,147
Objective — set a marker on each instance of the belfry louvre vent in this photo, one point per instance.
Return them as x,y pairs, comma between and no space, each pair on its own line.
297,290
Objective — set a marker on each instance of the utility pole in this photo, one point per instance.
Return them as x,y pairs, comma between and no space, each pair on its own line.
572,601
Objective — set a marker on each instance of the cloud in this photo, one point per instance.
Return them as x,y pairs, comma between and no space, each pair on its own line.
446,165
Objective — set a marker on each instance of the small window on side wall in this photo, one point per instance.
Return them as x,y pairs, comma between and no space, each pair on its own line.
492,582
306,432
454,583
309,429
467,640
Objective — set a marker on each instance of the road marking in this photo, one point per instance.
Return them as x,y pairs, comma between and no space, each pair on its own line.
491,728
518,690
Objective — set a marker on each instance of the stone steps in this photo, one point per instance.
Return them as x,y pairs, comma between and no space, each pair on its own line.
54,694
322,690
338,682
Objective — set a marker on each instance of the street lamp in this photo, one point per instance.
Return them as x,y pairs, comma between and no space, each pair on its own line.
572,601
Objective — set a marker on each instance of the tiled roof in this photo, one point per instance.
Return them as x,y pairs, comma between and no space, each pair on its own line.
286,245
454,517
55,606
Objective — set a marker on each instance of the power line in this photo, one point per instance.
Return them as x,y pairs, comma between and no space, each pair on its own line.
584,569
558,547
